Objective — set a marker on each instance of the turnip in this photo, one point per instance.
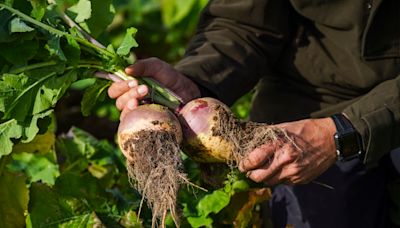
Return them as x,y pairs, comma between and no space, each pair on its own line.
149,137
213,134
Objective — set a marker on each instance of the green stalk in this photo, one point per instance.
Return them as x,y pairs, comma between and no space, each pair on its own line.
158,93
33,67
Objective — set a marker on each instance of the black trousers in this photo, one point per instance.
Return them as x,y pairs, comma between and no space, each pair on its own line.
357,197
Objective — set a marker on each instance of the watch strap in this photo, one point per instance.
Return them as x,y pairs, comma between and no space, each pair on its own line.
347,139
342,123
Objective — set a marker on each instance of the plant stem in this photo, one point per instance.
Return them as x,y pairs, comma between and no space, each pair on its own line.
82,64
33,67
158,94
87,36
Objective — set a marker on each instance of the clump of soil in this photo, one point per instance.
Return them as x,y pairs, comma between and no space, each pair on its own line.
156,170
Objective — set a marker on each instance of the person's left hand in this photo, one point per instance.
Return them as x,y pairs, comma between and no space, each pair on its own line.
309,153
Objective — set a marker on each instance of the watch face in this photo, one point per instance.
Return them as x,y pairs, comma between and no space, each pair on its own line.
347,144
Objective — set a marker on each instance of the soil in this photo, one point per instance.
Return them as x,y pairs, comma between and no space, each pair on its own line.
156,170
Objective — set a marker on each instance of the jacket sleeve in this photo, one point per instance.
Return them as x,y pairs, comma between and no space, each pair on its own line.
236,42
376,116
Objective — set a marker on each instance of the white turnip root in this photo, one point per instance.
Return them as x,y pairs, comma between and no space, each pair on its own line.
149,137
213,134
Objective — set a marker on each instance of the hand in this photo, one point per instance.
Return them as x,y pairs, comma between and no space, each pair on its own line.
309,152
128,93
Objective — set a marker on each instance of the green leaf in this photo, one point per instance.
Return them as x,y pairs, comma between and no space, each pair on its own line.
92,95
72,51
128,42
213,203
168,11
98,171
130,219
10,85
102,16
47,214
19,51
52,90
83,10
200,221
23,96
16,25
38,9
240,186
54,47
37,167
80,186
83,221
32,129
8,130
174,11
14,199
42,143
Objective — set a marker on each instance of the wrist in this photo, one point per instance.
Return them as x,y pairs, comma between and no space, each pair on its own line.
330,130
347,139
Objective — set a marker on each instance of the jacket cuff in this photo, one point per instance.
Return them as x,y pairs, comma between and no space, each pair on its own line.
376,131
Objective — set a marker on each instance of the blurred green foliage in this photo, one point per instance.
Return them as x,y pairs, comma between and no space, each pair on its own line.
165,26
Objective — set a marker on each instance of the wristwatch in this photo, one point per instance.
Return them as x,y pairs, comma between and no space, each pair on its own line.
347,139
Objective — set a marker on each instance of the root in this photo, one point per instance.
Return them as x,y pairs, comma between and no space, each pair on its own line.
245,136
156,171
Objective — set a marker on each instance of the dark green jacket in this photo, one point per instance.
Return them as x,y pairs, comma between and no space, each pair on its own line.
307,59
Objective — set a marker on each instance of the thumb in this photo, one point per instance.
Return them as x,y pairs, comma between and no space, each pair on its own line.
146,67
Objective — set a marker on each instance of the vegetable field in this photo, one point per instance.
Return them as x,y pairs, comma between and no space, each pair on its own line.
60,165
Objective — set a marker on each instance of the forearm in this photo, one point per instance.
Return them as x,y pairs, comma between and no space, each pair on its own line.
376,116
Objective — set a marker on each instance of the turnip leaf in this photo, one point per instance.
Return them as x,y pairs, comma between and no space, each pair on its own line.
14,199
83,10
93,94
37,167
128,42
8,130
54,47
17,25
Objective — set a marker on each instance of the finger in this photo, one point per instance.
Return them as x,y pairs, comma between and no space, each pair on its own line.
135,93
119,88
145,67
275,179
123,100
257,158
132,104
267,172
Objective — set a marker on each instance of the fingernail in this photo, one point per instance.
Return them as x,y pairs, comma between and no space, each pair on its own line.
240,167
248,174
142,89
131,105
132,84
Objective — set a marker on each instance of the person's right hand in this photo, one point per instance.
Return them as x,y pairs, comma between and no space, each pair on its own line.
128,93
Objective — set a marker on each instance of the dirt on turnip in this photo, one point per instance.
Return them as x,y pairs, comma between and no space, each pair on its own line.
156,170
